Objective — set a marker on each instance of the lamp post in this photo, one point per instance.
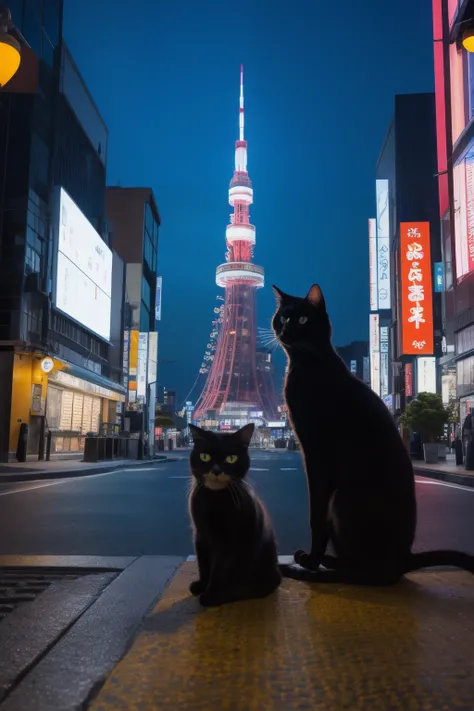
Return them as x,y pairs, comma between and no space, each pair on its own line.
10,53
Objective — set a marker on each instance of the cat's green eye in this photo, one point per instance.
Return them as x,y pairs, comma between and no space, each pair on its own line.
283,319
231,459
205,457
302,319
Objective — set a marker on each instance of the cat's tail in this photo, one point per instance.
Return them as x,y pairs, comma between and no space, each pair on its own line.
415,561
431,559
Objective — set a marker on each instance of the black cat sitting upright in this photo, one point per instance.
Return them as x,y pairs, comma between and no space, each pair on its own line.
233,536
360,477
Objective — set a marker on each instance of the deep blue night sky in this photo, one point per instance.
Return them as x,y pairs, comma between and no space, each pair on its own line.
319,96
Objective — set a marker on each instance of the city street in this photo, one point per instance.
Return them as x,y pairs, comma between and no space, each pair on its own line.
141,511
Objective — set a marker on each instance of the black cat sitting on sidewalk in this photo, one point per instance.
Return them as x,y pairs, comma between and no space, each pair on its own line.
233,535
360,477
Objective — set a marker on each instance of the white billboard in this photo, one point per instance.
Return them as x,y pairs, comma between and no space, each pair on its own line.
152,357
426,374
383,245
159,288
83,270
374,346
142,367
373,264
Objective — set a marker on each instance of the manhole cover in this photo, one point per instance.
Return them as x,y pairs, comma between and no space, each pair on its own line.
19,586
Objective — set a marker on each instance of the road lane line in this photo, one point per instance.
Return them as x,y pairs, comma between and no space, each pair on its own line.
71,479
288,469
257,469
32,488
443,483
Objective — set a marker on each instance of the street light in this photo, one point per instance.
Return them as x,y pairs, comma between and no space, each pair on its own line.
10,56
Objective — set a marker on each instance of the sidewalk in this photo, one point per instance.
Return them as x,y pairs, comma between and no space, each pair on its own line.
64,468
445,471
320,648
124,634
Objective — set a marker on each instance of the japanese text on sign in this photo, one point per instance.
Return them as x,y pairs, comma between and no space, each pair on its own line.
417,304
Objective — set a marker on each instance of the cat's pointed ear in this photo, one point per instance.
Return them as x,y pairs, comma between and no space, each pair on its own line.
315,297
279,294
244,435
198,434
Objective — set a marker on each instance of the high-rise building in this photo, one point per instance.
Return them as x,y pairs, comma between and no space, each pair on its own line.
356,357
231,392
404,246
59,305
134,222
453,22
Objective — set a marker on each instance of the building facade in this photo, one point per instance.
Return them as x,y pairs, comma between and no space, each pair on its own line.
134,222
454,86
404,247
57,295
356,357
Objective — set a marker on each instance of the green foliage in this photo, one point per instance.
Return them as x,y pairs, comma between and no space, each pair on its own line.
453,411
427,415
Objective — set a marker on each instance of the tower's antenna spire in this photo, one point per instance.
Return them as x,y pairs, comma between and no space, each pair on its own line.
241,110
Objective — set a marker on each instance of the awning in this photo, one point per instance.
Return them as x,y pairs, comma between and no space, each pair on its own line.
75,376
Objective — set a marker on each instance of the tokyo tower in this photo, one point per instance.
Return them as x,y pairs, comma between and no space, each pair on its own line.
233,385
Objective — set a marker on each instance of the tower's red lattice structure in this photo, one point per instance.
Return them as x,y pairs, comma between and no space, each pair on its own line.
232,380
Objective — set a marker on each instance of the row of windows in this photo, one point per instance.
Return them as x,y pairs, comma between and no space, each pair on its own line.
39,23
465,340
465,375
145,324
78,335
151,225
149,253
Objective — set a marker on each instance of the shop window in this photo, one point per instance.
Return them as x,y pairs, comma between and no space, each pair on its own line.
53,408
73,411
465,340
465,376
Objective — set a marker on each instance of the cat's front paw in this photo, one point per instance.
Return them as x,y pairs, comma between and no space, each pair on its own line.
197,587
211,599
306,561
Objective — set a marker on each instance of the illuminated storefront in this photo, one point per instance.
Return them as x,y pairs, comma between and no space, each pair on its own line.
76,406
454,82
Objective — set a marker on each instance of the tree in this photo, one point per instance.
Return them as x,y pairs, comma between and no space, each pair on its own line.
427,415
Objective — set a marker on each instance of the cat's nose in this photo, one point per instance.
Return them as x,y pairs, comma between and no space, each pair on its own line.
216,469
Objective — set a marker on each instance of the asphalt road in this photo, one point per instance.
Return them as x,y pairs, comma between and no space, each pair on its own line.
142,511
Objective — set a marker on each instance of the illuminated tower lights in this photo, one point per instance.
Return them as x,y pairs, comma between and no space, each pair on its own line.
232,381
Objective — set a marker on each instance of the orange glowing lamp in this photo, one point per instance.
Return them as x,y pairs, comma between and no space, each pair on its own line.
10,55
468,39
